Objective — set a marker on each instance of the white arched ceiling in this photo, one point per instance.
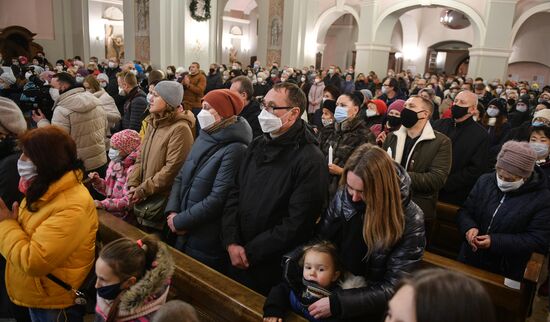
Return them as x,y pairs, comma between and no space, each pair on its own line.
387,19
245,6
543,7
327,18
531,41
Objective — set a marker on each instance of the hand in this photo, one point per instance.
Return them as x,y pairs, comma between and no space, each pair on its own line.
334,169
320,309
381,137
170,221
37,115
94,177
136,196
5,213
470,237
272,319
237,254
98,204
483,242
186,81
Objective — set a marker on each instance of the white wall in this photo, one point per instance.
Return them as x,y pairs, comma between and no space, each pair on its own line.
532,42
340,42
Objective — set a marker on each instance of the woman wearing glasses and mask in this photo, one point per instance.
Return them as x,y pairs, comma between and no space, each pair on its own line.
198,196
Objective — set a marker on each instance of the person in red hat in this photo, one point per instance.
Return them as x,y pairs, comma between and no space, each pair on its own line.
200,190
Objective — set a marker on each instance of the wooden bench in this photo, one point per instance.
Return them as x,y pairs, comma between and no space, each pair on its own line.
215,296
445,237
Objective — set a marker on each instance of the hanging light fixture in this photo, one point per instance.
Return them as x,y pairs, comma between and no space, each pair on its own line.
447,18
453,19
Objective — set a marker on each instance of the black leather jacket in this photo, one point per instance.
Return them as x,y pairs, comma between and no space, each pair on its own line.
342,224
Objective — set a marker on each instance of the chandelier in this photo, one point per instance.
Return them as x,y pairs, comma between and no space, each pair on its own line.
453,19
447,19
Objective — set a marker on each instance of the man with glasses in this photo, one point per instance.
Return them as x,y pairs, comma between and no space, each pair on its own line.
391,91
423,152
279,192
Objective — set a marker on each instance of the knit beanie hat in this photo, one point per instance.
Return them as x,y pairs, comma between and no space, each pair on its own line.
524,99
7,78
517,158
329,105
380,106
171,92
126,141
103,77
397,105
367,93
545,114
12,120
227,103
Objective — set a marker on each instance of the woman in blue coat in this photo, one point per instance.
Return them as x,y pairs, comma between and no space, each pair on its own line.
507,214
200,190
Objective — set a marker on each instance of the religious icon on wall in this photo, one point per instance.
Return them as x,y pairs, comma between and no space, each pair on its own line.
114,41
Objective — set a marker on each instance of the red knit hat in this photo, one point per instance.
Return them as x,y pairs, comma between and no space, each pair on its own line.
227,103
380,106
126,141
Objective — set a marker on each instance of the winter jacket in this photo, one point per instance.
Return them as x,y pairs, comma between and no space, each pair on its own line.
345,138
140,302
198,195
114,187
518,223
194,92
496,141
82,116
334,80
271,219
348,87
250,112
428,164
213,81
57,239
9,178
167,142
11,118
398,96
134,109
315,97
111,112
342,224
470,157
260,89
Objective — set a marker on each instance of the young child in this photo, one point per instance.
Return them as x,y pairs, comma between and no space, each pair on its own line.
123,154
176,310
321,274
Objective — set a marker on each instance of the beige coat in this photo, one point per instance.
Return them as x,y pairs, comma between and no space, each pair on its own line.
80,114
168,140
11,118
113,115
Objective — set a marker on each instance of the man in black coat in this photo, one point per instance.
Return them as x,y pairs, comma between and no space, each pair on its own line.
213,79
251,110
136,101
279,192
470,148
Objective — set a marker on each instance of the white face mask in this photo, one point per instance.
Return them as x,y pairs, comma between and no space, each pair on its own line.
28,75
112,64
498,90
103,84
506,186
303,79
384,89
260,79
269,122
54,93
27,169
121,91
79,79
371,113
206,119
114,154
327,122
134,71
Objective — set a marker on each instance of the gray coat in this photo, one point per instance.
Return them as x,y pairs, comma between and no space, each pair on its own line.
199,194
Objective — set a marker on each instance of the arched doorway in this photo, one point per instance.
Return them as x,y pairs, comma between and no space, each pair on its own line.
448,57
340,42
239,29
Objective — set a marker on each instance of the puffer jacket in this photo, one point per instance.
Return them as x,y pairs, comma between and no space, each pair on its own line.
143,299
111,112
134,109
344,139
342,224
168,140
518,223
199,195
81,114
58,239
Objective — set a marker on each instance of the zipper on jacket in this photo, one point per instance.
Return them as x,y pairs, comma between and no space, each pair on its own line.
494,214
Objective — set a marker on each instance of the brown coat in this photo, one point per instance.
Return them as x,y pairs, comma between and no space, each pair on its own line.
194,92
168,140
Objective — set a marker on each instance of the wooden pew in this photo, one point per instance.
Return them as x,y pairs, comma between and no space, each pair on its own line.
445,238
215,296
511,305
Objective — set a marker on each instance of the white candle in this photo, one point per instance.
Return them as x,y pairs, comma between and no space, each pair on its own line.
330,155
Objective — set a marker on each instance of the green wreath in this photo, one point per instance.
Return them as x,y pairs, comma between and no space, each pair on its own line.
193,9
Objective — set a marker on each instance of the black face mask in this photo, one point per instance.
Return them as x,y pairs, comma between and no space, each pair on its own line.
409,118
511,101
394,121
212,70
458,111
109,292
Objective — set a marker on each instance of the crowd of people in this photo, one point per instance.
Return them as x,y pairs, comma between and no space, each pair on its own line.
314,187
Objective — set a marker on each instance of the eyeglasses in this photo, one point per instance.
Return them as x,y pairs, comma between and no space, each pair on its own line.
270,107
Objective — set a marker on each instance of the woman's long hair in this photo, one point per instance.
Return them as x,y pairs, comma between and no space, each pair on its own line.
53,152
384,220
127,259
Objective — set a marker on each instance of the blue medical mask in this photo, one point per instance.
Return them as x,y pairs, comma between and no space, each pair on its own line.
340,114
541,149
492,112
537,123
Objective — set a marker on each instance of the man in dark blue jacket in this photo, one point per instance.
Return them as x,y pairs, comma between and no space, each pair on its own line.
279,192
136,101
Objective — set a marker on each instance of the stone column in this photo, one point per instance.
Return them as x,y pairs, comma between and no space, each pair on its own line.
128,8
263,31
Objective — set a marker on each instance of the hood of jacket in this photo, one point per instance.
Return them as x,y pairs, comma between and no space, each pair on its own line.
154,282
158,121
99,93
237,132
78,100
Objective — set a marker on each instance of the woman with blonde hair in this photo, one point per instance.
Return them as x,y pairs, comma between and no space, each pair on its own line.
378,230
